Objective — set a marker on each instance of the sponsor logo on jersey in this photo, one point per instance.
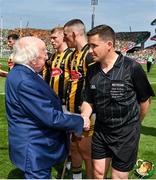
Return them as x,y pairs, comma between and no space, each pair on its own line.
75,75
56,72
92,86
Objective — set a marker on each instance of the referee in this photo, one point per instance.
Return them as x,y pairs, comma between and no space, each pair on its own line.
118,89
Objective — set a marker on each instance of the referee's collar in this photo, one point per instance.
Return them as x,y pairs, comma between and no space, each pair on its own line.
119,60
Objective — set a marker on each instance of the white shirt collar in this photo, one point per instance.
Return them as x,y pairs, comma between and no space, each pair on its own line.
29,67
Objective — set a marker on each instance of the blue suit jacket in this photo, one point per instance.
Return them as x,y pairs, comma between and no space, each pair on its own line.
38,128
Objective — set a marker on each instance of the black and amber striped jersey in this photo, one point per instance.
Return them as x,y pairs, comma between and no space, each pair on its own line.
78,67
56,72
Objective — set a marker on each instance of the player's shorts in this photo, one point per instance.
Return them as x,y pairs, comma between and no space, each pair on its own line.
120,144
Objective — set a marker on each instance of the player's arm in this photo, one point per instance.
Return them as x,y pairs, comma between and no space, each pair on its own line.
87,102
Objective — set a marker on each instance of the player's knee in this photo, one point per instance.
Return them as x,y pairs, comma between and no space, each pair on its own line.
118,174
86,156
98,173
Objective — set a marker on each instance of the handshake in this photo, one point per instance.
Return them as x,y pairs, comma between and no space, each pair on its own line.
86,120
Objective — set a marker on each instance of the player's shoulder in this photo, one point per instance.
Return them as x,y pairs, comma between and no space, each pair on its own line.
69,50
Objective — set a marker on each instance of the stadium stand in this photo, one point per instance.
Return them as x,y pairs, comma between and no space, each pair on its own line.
137,37
125,42
40,33
153,22
141,55
153,38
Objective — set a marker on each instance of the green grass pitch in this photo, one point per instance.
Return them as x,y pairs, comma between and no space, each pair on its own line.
147,146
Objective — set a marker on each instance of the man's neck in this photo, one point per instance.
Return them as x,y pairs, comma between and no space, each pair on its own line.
62,48
81,43
109,62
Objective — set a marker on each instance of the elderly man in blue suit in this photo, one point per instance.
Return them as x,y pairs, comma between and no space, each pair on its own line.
38,129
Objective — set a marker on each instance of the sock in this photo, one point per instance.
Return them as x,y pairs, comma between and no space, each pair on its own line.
68,165
77,176
77,172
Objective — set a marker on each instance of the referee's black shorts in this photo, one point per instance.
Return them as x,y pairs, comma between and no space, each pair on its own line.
121,145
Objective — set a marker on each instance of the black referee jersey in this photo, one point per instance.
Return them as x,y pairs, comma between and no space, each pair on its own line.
116,94
56,72
78,67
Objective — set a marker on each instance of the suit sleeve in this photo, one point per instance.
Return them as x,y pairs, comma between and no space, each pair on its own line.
44,111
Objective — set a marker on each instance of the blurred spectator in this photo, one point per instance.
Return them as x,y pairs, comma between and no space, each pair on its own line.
149,62
11,41
2,72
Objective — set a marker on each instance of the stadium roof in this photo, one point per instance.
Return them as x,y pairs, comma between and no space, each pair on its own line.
136,48
153,22
137,37
153,38
151,47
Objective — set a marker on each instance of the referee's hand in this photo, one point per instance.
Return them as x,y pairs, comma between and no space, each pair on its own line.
86,125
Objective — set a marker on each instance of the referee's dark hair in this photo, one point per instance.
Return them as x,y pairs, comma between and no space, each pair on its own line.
105,32
13,36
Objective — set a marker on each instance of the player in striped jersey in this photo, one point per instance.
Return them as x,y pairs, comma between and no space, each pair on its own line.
56,72
74,33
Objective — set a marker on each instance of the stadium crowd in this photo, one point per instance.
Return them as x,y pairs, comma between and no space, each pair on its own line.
142,55
124,41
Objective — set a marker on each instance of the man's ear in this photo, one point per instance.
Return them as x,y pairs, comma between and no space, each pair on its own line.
33,62
110,44
75,33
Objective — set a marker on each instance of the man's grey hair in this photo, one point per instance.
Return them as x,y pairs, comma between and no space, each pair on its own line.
25,51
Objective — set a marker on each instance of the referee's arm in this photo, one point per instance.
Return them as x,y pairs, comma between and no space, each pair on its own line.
143,88
144,108
86,109
87,99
